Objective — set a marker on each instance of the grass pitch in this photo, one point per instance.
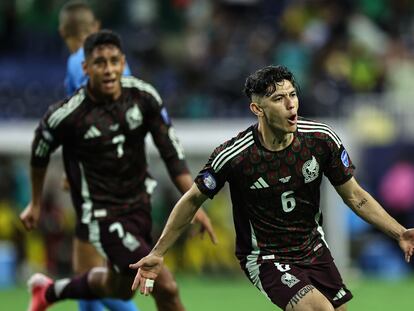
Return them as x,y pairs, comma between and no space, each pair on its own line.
208,294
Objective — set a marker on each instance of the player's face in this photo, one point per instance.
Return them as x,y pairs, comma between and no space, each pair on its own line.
105,67
280,110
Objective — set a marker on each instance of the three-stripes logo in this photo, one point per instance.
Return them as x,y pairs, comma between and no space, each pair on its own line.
341,293
92,133
259,184
312,127
231,151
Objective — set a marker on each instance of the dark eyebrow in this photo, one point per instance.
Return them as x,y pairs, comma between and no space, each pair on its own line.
276,94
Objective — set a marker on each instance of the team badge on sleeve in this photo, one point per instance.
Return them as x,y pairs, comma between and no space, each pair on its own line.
345,158
209,181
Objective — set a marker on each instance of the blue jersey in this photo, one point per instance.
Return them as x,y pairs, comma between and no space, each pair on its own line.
75,77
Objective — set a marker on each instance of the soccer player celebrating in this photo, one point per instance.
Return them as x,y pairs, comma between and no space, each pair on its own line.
102,130
274,170
76,22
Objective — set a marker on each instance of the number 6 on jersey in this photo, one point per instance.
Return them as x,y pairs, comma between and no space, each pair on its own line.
288,201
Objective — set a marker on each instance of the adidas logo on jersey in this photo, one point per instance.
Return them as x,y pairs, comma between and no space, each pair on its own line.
92,133
285,179
341,293
259,184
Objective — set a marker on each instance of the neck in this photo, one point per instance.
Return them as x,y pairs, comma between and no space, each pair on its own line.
274,140
74,43
96,97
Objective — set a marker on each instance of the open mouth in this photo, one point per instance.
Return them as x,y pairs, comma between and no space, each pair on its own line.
293,119
109,83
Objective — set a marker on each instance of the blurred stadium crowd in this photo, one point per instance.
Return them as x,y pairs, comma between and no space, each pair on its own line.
198,52
354,59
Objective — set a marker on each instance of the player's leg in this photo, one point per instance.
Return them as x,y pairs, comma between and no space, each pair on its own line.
309,298
342,308
166,293
325,276
97,283
286,285
128,239
85,257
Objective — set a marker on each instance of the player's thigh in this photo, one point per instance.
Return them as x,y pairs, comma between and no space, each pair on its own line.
342,308
309,299
122,240
286,285
85,256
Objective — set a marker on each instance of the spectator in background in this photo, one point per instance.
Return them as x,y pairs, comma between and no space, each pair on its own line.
76,22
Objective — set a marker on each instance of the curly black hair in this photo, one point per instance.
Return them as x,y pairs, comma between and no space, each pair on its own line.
263,81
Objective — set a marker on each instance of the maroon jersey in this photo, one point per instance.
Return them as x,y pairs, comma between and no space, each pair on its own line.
103,146
275,195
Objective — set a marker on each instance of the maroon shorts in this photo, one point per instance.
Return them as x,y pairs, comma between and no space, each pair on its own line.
123,240
280,282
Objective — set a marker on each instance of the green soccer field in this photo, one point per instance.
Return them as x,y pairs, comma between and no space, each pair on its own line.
208,294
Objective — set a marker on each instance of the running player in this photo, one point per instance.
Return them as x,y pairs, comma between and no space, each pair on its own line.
274,170
76,22
102,130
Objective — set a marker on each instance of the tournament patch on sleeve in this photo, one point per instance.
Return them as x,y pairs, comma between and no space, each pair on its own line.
345,158
164,115
209,181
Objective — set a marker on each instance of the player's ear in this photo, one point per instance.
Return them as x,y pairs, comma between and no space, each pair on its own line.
84,67
256,109
96,25
123,60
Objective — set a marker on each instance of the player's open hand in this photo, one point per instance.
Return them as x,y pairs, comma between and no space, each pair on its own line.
205,223
148,269
30,216
407,244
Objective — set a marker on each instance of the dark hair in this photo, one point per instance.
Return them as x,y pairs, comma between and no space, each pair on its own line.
101,37
263,81
76,18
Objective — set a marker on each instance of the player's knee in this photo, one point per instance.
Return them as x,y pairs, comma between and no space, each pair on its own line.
166,290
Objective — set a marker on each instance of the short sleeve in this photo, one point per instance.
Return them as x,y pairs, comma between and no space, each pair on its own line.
48,136
211,179
339,167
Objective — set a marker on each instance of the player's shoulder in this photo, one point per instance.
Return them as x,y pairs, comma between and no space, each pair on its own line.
131,82
239,142
76,58
317,130
63,110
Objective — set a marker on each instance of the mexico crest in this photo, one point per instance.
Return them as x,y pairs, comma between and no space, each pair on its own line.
133,117
310,170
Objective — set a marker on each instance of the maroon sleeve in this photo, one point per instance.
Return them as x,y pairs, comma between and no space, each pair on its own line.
47,137
164,136
213,176
339,168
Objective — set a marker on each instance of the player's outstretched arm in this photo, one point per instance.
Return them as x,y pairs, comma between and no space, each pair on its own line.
365,206
184,182
180,217
31,214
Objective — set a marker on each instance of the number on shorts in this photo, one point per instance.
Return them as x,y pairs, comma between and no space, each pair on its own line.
288,201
